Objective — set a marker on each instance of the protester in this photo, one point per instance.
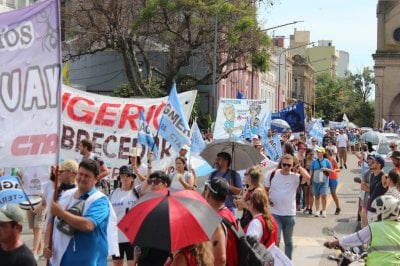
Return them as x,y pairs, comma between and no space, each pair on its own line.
13,252
382,235
308,196
216,192
122,199
157,181
80,238
263,226
341,143
393,147
282,188
392,182
222,164
376,187
181,178
86,150
193,255
333,179
320,169
139,168
362,157
396,160
253,180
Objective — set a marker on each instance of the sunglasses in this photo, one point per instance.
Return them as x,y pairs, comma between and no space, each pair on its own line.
154,181
286,165
392,147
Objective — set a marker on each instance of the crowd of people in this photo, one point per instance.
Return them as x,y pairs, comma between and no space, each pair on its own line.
75,215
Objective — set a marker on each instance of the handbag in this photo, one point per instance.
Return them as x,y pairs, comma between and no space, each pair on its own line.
76,209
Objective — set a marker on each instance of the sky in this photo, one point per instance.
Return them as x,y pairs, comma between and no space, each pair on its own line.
350,24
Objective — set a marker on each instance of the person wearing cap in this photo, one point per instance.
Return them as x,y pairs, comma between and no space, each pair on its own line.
222,164
140,169
396,159
183,151
86,150
376,185
13,251
122,199
216,191
320,169
259,147
95,233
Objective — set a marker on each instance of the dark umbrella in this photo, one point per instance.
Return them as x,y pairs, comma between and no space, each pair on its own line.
170,220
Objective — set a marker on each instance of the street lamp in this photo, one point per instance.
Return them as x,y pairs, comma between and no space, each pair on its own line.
286,24
279,69
215,91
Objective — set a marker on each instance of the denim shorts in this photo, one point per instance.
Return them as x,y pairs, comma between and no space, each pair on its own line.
333,183
319,189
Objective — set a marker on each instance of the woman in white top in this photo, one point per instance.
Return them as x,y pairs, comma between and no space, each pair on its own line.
122,200
392,182
181,178
139,168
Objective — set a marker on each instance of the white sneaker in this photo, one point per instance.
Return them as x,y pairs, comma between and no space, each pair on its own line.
323,214
317,214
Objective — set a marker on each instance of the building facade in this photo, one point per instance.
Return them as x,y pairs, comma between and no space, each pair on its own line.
387,63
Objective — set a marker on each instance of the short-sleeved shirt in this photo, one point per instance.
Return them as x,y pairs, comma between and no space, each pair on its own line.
376,189
90,248
21,256
237,182
342,140
282,190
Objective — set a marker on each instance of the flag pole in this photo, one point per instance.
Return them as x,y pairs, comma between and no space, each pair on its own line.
55,197
23,191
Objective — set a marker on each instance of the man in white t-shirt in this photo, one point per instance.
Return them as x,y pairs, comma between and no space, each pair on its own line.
282,185
341,143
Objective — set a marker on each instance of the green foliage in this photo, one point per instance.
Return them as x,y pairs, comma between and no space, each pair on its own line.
335,96
260,60
125,91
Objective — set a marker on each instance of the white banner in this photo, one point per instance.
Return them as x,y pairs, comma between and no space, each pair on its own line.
232,115
112,124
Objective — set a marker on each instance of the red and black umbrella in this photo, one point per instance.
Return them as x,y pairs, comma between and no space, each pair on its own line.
170,220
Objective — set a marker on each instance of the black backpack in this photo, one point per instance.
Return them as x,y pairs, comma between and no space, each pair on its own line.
250,251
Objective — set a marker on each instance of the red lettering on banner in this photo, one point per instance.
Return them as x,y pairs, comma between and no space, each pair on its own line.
34,145
157,114
64,100
104,112
126,116
87,117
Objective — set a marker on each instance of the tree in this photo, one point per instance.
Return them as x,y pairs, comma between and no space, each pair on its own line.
328,103
363,83
180,32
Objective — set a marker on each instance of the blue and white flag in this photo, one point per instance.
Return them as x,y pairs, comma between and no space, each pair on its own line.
144,135
11,191
273,148
198,143
240,95
317,131
173,125
265,125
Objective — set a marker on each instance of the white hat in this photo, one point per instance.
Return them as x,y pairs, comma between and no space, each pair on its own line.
185,147
254,136
133,152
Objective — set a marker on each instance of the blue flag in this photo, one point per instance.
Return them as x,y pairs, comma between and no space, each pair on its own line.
265,125
240,95
174,127
198,143
144,135
11,191
273,148
317,131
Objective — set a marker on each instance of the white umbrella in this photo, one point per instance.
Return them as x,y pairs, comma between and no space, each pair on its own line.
243,154
374,137
280,123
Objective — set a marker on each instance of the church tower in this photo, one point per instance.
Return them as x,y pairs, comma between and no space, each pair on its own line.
387,63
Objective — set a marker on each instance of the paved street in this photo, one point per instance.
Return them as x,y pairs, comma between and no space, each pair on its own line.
308,230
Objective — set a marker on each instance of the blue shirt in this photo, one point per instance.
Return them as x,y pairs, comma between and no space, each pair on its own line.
90,248
236,183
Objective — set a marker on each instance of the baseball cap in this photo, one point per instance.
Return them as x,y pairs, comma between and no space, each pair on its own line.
379,159
219,187
185,147
321,149
254,136
69,165
10,213
395,154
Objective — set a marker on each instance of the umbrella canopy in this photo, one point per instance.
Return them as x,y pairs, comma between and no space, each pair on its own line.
170,220
280,124
374,137
243,155
201,166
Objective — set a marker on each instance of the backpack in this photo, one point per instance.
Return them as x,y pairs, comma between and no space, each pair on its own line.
250,251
